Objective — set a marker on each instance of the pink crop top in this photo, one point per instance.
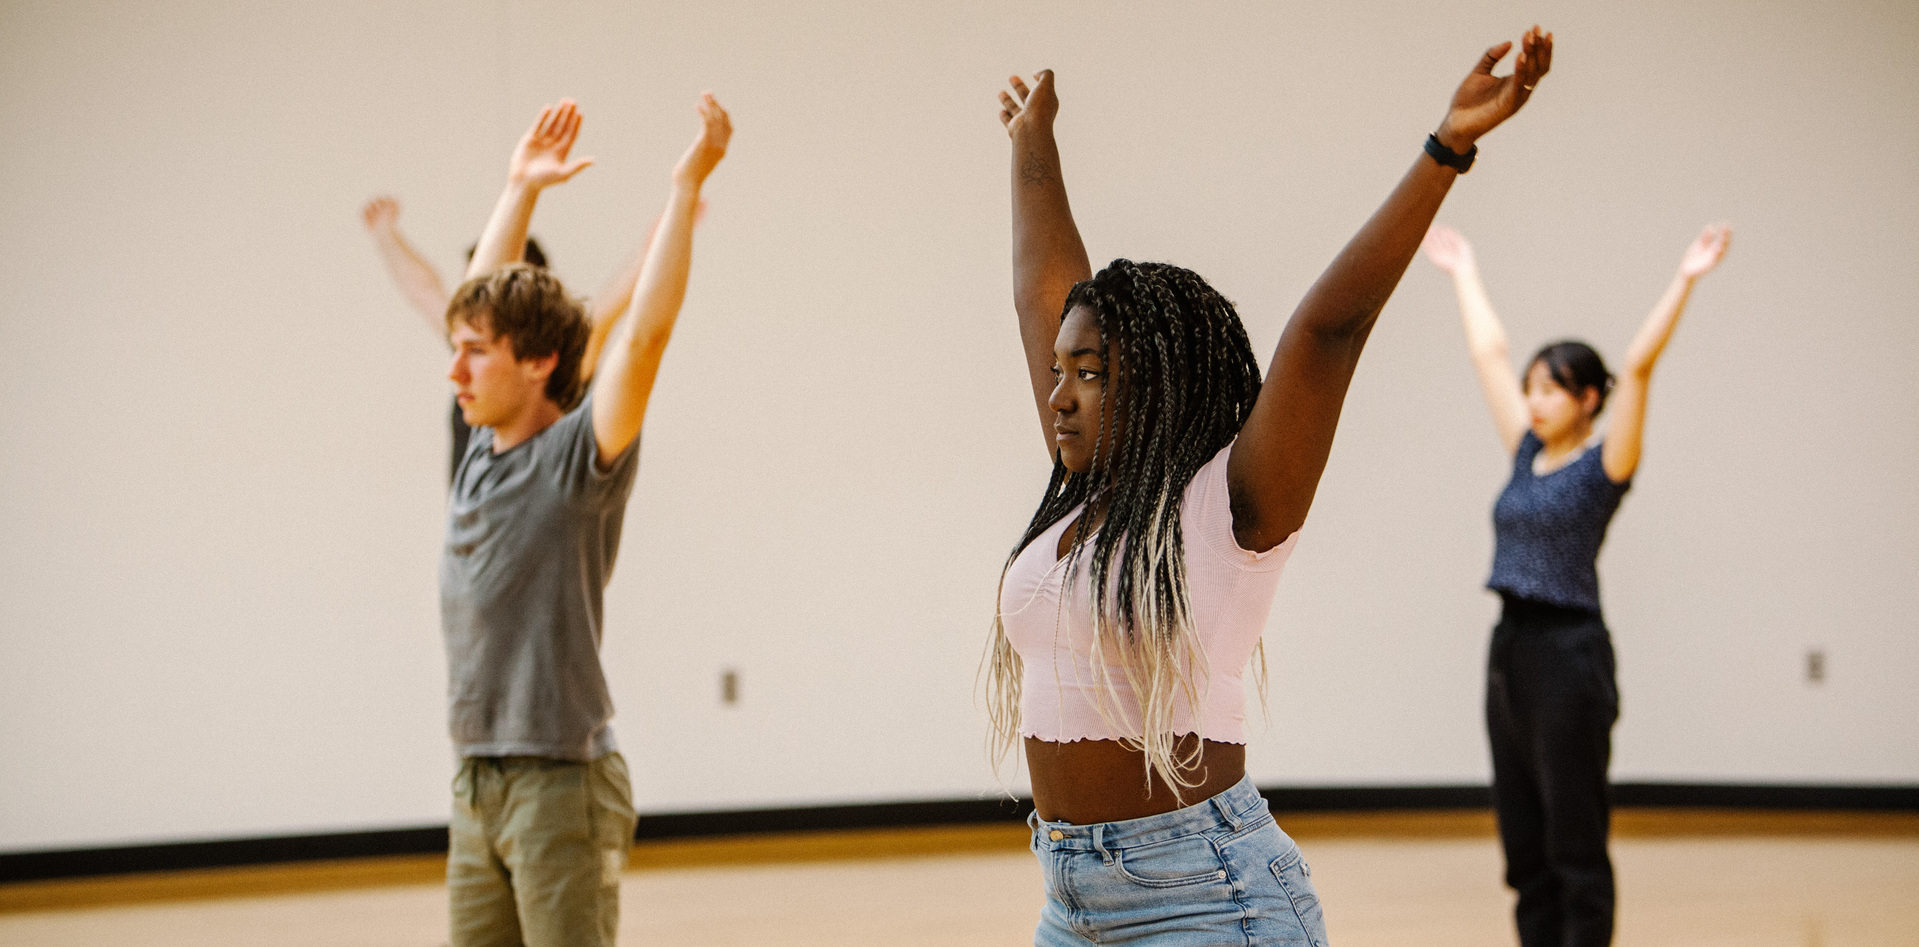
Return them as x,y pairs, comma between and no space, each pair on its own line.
1231,592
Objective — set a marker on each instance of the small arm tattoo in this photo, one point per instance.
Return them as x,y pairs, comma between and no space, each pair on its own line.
1035,170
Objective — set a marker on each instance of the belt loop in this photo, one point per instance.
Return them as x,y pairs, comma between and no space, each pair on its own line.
1225,810
1099,842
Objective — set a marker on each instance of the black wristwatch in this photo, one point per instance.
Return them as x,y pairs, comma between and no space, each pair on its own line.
1450,158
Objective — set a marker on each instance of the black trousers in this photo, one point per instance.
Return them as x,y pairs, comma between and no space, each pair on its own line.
1551,701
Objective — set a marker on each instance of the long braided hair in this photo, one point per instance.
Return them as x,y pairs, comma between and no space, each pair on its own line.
1182,373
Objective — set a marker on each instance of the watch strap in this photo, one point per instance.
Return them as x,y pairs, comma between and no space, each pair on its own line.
1450,158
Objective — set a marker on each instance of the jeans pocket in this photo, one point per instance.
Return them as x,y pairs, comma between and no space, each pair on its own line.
1295,878
1188,860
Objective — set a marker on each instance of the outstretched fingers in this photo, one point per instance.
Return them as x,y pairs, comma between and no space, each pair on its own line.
380,211
1028,104
566,127
709,145
1706,250
1535,58
1484,100
717,126
1009,106
1716,239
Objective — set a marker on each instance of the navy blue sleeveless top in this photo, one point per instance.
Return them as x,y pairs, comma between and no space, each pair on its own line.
1547,529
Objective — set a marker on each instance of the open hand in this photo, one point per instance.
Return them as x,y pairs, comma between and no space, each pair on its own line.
381,213
709,146
1447,248
1706,251
1029,108
1485,100
540,159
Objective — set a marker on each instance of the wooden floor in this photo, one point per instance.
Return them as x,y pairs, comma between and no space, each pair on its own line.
1692,878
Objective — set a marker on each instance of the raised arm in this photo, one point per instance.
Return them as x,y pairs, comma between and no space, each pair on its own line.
1624,433
1485,337
1048,257
613,299
610,303
632,358
539,161
419,282
1282,448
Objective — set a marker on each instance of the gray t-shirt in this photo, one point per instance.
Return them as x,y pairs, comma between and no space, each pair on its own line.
531,535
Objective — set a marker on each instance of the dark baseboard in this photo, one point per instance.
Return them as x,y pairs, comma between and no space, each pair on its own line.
228,853
887,815
1375,798
1872,798
179,856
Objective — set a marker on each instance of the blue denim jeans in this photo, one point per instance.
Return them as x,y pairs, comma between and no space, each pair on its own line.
1219,872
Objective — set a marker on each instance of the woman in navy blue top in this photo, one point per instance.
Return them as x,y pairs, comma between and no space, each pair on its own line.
1551,699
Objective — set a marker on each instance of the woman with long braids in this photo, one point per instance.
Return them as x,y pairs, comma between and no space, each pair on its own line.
1551,699
1179,485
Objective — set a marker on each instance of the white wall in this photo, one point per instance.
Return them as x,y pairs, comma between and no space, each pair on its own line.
224,435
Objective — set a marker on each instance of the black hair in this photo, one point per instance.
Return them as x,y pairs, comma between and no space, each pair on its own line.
1181,372
534,256
1575,367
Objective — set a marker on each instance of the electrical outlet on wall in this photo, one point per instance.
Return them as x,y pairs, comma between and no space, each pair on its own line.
1815,666
729,686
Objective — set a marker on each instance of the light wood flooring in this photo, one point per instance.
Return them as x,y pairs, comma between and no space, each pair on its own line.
1691,878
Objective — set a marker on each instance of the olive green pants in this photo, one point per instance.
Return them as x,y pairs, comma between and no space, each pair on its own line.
536,850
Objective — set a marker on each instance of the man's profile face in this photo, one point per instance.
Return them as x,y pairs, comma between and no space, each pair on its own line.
491,384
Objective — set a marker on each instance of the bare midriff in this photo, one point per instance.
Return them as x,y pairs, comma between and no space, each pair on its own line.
1090,781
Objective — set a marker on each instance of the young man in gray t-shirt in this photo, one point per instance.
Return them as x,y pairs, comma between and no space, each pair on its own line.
542,806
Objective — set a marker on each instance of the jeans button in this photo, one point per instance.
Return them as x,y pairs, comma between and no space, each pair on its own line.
1056,835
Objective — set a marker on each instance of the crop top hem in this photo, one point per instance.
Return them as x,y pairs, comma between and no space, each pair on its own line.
1030,735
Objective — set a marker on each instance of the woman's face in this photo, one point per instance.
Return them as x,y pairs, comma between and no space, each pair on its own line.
1080,392
1557,413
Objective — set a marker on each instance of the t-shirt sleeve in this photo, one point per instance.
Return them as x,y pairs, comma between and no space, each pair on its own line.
1595,462
1209,511
577,454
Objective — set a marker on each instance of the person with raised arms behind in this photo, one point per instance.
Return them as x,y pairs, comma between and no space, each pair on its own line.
419,283
1137,595
1551,695
542,806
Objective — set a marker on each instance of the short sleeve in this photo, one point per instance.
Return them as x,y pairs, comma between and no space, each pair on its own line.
1208,513
577,453
1595,459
